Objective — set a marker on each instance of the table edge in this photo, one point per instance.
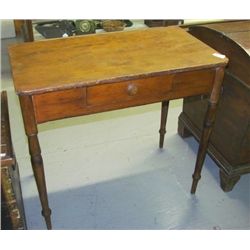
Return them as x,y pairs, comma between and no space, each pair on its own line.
115,79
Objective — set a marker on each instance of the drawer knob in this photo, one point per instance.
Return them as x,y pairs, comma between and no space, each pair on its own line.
132,89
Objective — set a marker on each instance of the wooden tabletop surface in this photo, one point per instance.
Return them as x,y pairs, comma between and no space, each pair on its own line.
65,63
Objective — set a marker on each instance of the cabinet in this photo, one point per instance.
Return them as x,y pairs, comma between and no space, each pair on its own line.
230,140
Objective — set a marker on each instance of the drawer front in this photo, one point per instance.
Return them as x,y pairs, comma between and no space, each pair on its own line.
59,104
129,93
194,82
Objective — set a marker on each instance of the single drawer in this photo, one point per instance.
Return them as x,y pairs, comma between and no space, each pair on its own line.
129,93
59,104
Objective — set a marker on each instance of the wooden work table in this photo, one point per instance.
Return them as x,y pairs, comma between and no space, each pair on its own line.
74,76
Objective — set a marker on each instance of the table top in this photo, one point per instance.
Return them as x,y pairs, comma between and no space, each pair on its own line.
64,63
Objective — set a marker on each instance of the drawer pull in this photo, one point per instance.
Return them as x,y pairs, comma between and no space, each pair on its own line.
132,89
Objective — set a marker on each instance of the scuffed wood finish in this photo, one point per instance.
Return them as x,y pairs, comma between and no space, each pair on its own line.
59,104
111,96
95,73
139,91
96,59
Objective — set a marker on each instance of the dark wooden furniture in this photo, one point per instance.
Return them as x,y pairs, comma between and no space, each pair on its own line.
25,29
230,141
75,76
12,210
159,22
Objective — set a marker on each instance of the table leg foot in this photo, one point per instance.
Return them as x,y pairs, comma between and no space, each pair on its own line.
46,214
164,114
227,182
183,131
35,154
195,183
207,127
38,170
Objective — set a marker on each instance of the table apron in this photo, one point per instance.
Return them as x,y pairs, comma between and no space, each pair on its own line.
110,96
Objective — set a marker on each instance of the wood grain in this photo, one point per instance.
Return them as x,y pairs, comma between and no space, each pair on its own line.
111,96
60,78
59,104
148,90
58,64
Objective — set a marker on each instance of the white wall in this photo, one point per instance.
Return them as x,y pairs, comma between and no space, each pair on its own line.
7,28
200,21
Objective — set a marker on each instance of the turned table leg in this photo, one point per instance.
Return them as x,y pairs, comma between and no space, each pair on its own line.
164,114
35,154
207,127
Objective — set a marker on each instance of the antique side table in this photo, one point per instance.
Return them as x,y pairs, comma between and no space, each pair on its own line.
75,76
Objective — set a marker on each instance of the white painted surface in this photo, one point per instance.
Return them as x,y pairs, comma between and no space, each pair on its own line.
201,21
7,29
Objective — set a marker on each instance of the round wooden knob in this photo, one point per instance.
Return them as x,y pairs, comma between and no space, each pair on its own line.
132,89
